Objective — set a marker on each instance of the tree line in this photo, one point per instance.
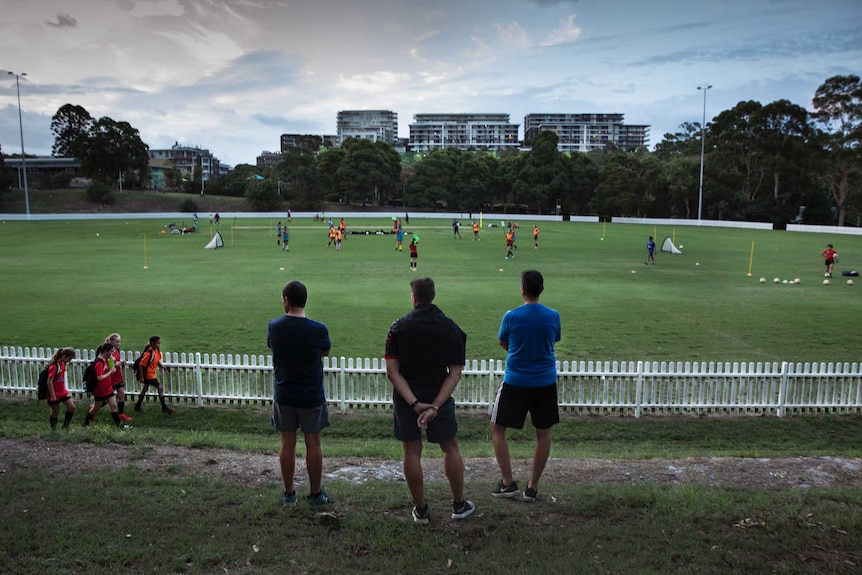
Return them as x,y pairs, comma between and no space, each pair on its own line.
760,162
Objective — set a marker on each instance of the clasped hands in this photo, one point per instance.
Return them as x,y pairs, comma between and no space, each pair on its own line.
427,412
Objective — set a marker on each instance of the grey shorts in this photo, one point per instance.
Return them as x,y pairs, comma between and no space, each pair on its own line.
308,419
442,428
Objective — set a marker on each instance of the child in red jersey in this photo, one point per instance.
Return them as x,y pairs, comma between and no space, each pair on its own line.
117,380
104,392
57,391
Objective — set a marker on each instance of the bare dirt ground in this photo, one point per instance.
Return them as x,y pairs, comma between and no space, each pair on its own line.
260,468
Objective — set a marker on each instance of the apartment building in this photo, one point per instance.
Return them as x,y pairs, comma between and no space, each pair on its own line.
479,132
586,132
374,125
186,159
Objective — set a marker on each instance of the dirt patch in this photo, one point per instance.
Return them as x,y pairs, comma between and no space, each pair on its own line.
260,468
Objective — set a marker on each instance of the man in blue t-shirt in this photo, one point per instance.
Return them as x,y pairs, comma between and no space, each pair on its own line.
528,334
297,344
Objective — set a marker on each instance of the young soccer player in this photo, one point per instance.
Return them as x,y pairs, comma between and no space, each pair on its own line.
57,391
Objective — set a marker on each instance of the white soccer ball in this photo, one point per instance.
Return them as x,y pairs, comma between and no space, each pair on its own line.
797,281
763,280
784,281
776,281
826,282
97,234
681,246
850,282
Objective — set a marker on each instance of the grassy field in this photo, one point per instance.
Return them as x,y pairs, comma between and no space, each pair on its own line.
134,520
72,282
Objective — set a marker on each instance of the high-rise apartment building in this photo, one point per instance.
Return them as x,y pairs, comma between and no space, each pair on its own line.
479,132
586,132
374,125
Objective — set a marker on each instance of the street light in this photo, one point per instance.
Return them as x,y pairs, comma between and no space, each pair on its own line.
21,125
702,141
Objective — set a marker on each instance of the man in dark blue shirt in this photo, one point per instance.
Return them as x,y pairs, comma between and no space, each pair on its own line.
297,344
425,351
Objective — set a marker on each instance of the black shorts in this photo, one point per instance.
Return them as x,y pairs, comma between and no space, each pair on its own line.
59,400
309,419
441,429
153,382
104,398
119,385
512,403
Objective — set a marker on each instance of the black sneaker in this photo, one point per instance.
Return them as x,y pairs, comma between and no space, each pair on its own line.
421,516
510,490
530,494
138,408
167,410
463,509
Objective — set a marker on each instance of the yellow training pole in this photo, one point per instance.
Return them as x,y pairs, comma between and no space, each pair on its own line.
751,258
146,267
480,220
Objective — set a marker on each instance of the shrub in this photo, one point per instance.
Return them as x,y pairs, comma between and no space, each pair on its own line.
99,193
189,205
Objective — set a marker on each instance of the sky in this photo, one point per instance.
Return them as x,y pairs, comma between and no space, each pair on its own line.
231,76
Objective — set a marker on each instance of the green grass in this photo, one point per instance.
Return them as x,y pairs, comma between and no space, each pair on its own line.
64,285
369,433
139,520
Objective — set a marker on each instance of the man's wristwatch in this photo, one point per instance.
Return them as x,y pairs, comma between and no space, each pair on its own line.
414,404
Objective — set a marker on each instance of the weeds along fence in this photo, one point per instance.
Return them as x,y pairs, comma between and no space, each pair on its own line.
585,387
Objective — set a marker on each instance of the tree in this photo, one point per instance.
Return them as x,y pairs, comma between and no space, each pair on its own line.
114,148
71,126
262,195
368,169
436,179
298,174
838,108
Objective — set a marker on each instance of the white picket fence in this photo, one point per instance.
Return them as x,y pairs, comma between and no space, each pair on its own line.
588,387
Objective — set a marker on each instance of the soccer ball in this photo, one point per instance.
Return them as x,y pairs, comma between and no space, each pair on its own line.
850,282
634,271
797,280
826,282
763,280
681,246
776,281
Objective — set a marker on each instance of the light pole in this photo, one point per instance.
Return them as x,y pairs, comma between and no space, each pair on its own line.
702,142
21,125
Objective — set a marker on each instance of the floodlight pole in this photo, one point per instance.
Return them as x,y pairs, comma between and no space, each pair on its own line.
21,126
702,148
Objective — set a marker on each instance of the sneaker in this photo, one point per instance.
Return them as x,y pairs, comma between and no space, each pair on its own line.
167,410
510,490
138,408
530,494
320,499
289,498
463,509
125,417
421,516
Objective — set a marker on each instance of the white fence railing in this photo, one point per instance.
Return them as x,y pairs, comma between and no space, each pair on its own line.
595,387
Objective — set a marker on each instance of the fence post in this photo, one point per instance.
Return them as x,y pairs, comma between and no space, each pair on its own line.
342,375
782,390
638,389
199,376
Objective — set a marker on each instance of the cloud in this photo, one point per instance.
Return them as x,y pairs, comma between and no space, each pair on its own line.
372,83
159,8
567,32
512,35
64,21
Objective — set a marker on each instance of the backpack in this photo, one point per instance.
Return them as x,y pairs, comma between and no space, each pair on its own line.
89,378
42,385
136,365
